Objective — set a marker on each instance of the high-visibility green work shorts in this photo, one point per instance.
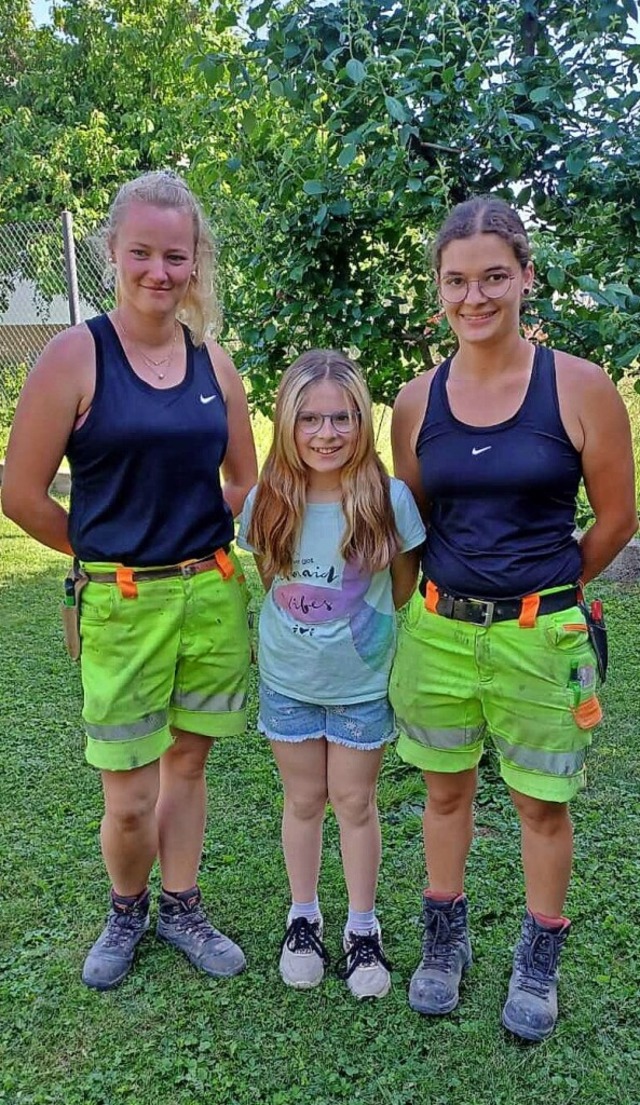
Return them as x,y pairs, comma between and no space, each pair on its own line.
531,690
177,654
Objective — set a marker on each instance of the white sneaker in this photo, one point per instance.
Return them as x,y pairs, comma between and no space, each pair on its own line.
366,970
303,957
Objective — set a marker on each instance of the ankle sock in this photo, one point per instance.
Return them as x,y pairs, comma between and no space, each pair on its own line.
442,896
361,921
126,901
310,910
554,924
187,898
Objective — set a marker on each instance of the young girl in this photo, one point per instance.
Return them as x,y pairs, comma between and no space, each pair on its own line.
336,544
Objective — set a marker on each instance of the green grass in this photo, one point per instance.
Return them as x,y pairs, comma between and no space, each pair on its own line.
169,1036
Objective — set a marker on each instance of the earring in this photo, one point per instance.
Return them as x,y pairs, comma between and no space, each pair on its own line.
526,291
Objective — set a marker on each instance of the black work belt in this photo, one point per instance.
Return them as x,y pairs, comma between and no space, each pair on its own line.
483,612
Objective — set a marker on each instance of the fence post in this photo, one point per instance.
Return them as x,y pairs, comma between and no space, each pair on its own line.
70,268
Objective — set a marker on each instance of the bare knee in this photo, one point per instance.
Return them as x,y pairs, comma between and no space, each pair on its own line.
544,818
354,807
187,758
307,804
450,795
130,797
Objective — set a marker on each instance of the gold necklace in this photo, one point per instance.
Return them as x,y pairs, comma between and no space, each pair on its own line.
150,362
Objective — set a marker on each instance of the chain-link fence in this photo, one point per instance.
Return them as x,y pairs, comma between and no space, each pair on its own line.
47,280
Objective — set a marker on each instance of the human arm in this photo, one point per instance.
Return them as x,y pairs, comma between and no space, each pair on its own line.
57,391
404,576
607,465
240,466
267,579
408,413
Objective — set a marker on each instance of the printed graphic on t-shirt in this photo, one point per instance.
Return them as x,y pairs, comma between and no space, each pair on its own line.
310,602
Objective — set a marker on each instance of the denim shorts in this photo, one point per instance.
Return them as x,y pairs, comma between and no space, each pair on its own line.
366,725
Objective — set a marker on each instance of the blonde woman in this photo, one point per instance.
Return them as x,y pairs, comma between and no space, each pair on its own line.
336,544
150,412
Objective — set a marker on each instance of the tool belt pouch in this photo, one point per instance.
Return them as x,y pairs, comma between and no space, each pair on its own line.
597,635
74,583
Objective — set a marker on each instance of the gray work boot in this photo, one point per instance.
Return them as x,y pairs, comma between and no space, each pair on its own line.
365,968
183,922
303,956
531,1008
112,954
446,954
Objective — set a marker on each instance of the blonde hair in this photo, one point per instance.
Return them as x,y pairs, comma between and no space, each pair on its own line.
199,308
370,534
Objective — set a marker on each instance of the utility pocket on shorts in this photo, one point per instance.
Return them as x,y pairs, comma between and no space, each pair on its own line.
96,604
567,630
584,702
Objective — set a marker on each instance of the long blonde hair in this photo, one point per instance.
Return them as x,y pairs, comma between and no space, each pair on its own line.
370,534
199,308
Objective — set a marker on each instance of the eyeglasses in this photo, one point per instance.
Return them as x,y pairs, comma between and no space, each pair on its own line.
343,422
455,289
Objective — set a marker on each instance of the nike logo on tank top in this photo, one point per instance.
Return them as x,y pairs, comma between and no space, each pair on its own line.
502,497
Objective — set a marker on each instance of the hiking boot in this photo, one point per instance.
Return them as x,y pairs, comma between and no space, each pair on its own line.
366,970
531,1008
183,922
303,956
446,954
112,954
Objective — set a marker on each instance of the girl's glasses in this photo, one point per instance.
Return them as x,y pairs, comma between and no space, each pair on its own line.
455,289
343,422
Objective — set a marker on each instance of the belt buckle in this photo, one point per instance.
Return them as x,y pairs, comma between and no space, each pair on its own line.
485,614
188,570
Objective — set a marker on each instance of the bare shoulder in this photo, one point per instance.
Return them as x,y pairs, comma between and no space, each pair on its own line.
226,372
66,367
579,377
411,404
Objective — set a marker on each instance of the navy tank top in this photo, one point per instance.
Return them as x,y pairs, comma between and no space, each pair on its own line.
145,465
502,497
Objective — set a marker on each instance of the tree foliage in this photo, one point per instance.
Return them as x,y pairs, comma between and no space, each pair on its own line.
358,124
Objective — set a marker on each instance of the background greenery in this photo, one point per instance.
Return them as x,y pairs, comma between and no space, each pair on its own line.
173,1037
328,140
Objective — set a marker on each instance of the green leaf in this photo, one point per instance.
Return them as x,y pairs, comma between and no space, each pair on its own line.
556,277
543,92
627,358
356,71
525,122
396,109
320,214
314,187
347,155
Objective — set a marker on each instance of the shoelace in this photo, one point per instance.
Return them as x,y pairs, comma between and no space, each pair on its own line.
195,923
302,936
441,939
121,926
537,962
364,951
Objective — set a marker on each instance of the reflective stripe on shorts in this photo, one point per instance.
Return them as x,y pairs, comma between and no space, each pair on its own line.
150,724
533,759
210,704
442,738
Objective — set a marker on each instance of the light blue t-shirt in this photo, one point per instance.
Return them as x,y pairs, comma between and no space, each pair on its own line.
327,631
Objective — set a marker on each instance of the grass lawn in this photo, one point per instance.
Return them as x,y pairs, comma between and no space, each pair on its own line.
170,1036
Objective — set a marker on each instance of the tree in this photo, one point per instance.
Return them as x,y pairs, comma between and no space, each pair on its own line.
358,124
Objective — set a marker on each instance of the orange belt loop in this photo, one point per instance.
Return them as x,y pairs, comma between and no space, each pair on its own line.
225,565
431,597
126,584
529,611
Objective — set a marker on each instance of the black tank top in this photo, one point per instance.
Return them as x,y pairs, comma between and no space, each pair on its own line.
502,497
145,465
